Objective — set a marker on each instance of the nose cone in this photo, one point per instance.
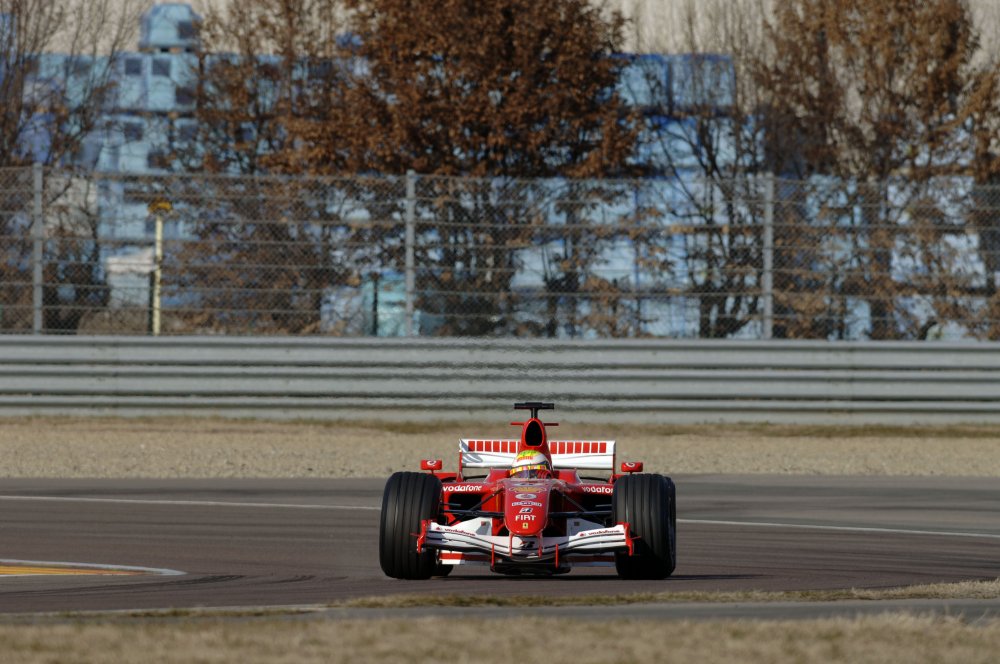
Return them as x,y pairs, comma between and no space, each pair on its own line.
526,507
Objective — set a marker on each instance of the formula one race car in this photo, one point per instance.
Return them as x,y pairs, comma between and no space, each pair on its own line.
531,513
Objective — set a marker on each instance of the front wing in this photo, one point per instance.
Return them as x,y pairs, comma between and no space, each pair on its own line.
588,546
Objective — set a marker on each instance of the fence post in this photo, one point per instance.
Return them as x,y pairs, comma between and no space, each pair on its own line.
411,220
38,246
767,274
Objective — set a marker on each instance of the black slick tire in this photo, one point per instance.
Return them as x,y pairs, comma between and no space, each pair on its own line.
647,503
409,498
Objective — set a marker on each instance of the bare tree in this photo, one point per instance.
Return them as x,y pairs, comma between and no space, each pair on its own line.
57,70
706,148
513,88
267,70
868,92
58,61
505,89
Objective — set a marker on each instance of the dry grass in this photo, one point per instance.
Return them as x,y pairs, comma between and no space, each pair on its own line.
963,590
884,638
214,447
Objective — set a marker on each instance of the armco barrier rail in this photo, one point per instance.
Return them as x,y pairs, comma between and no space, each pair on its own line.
648,381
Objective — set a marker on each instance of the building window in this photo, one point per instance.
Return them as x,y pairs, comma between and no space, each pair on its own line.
133,66
187,133
183,96
320,69
133,131
185,30
157,159
245,134
78,66
161,67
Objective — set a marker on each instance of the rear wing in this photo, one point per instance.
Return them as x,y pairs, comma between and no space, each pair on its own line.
579,454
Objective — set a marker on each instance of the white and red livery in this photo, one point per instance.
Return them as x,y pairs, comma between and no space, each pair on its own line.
481,515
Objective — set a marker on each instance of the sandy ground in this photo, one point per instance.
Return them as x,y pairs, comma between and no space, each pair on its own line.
174,447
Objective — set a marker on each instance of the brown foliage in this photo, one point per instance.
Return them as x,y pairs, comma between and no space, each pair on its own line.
868,92
509,88
266,67
512,87
871,89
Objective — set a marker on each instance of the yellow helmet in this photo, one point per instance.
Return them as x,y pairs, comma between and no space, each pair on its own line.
531,464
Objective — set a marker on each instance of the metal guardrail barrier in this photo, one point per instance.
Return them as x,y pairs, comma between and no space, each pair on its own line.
665,381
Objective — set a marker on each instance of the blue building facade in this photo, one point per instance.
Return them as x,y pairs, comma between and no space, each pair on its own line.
150,113
150,117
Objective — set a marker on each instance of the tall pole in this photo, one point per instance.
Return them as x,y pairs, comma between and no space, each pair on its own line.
37,254
157,273
157,208
411,220
767,274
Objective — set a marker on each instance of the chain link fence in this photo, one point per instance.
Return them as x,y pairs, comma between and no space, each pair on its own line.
757,257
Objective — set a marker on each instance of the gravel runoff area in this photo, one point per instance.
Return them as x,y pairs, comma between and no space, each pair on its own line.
213,447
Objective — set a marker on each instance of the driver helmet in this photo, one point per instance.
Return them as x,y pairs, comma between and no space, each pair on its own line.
531,464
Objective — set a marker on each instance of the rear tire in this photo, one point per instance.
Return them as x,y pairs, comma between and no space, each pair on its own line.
408,500
648,504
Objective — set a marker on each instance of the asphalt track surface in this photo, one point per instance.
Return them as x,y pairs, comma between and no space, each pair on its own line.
308,541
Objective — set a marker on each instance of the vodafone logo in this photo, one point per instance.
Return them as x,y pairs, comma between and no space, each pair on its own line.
604,489
463,488
525,496
630,465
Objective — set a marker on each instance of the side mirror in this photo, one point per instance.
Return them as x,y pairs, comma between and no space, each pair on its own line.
430,464
631,466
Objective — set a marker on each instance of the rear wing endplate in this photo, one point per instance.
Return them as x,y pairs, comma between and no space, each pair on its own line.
579,454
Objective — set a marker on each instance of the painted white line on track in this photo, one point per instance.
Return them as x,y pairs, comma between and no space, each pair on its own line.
194,503
125,568
852,529
301,506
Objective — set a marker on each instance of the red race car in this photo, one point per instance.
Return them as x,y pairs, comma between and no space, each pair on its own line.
531,512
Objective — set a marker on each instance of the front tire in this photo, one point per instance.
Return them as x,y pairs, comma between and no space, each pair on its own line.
648,504
408,500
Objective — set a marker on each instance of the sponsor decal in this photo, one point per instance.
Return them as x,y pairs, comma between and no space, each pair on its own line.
605,489
526,510
525,496
458,488
524,517
630,464
518,503
524,526
607,531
